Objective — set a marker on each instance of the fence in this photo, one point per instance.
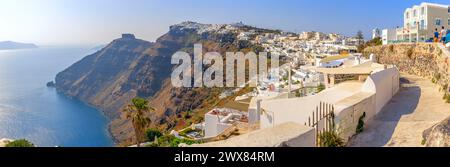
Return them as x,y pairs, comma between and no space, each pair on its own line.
322,120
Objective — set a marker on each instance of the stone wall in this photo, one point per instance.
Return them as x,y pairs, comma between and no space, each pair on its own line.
347,118
422,59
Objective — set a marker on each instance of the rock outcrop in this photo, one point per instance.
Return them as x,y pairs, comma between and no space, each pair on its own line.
438,135
101,79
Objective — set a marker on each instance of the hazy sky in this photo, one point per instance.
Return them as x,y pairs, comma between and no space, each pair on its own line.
58,22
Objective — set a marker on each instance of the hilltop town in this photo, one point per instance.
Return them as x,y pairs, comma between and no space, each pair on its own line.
329,89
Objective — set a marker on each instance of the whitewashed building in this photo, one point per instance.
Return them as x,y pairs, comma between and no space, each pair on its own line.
376,33
420,21
388,36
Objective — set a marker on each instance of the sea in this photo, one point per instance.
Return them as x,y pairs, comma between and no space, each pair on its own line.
30,110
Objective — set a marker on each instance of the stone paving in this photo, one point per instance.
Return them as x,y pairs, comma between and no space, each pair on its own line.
418,106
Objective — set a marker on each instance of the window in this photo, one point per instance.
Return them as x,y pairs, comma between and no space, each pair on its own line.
422,24
414,13
449,9
438,22
448,21
422,11
407,15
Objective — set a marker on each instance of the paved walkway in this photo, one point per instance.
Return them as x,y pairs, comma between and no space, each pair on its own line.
418,106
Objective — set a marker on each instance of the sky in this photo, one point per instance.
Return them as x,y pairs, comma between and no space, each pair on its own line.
94,22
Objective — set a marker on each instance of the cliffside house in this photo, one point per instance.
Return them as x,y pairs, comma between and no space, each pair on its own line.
218,120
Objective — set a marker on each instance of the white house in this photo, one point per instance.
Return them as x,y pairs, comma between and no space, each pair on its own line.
376,33
388,36
420,21
220,119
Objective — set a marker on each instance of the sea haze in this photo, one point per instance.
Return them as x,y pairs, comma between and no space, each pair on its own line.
30,110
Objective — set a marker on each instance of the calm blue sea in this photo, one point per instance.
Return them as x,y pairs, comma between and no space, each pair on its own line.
30,110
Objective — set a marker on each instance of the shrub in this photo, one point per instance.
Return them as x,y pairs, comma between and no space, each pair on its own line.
360,126
437,76
445,87
152,145
152,133
423,142
330,139
172,141
20,143
447,99
298,94
320,88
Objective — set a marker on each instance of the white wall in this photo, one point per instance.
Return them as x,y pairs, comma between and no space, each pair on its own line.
307,139
211,122
384,84
213,127
253,114
347,118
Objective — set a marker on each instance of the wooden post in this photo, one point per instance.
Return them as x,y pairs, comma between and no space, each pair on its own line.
309,121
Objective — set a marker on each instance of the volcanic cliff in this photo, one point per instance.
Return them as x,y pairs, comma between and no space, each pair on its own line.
130,67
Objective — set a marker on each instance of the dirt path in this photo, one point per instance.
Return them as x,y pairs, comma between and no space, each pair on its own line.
417,107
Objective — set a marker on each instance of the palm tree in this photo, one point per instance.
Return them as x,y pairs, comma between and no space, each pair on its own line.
136,111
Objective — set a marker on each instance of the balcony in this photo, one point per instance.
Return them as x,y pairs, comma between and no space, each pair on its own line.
410,30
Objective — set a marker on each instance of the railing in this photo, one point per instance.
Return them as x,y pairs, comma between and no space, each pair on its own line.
322,120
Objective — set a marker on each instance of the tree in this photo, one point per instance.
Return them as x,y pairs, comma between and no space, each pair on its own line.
20,143
136,112
151,134
360,37
373,42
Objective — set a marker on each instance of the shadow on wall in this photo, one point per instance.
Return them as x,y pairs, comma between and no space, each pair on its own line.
403,103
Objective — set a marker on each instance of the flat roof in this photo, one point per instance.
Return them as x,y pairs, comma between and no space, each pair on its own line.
332,58
348,70
365,68
267,137
352,100
238,105
301,108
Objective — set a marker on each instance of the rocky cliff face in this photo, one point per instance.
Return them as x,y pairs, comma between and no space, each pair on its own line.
99,79
130,67
425,60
